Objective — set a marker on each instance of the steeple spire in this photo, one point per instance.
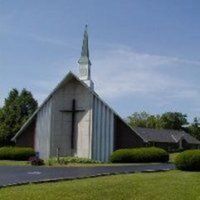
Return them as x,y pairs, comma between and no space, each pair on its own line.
85,49
84,61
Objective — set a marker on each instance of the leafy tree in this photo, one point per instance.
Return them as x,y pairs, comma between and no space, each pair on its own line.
173,120
168,120
194,128
16,110
153,122
138,119
144,120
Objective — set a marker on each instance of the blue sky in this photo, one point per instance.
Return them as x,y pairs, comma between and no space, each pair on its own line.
144,54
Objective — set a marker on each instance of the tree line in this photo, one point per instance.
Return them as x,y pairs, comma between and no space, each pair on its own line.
167,120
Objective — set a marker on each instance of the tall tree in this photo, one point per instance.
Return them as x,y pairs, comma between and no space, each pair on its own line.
153,122
194,128
173,120
168,120
17,109
138,119
144,120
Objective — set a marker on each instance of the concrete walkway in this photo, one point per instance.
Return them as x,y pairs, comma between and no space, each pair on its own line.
18,175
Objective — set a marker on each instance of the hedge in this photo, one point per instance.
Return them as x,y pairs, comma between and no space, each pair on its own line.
16,153
188,160
139,155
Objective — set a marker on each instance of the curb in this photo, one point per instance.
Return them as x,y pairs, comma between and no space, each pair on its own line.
82,177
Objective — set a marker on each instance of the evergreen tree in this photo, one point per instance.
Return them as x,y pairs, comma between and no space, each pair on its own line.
18,107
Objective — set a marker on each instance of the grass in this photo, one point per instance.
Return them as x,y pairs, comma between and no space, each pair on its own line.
173,185
12,162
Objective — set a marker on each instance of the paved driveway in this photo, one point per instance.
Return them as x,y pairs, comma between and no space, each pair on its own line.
25,174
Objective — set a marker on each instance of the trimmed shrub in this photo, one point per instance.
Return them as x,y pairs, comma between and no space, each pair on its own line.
188,160
16,153
139,155
68,160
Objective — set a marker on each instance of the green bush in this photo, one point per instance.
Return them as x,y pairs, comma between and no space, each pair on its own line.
137,155
68,160
188,160
16,153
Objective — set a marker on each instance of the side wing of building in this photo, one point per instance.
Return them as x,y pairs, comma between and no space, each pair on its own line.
110,132
36,131
103,130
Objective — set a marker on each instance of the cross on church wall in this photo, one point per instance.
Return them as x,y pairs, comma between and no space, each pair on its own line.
73,111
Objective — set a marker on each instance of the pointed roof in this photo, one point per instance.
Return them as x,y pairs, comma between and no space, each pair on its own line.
84,59
68,77
34,115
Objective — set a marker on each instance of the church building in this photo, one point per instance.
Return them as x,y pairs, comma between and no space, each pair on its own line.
75,121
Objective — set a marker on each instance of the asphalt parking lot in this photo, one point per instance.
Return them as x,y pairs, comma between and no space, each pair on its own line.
14,175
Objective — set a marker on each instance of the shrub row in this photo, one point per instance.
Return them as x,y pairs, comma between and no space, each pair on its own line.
16,153
188,160
143,155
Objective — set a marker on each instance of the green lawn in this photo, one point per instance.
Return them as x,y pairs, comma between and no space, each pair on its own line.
11,162
175,185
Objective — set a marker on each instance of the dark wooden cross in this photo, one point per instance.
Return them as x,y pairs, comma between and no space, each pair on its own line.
73,111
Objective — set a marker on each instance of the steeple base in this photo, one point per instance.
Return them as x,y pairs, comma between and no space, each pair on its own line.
84,63
89,83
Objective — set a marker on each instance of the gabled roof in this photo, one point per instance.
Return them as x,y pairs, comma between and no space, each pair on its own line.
68,77
165,135
26,124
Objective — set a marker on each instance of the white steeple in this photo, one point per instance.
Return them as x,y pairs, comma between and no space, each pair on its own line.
84,62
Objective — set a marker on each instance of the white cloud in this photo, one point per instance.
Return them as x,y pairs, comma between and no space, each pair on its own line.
122,72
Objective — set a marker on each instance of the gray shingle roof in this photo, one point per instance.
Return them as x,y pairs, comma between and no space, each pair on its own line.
165,135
